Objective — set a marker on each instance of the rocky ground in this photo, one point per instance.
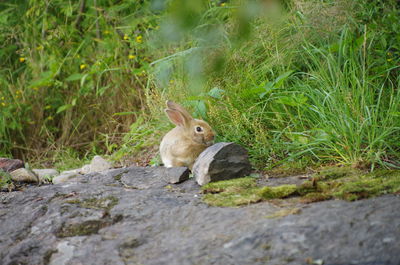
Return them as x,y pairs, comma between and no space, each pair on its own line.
133,216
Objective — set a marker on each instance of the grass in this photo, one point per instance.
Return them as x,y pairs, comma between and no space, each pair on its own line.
344,183
308,83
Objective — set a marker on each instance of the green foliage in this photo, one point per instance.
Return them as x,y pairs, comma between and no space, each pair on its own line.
316,83
305,82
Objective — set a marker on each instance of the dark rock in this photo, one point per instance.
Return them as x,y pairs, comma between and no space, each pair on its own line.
176,175
100,219
221,161
9,165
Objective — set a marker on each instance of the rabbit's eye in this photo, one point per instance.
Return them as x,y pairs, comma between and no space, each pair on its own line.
199,129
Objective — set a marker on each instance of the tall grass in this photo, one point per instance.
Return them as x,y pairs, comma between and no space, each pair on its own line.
303,87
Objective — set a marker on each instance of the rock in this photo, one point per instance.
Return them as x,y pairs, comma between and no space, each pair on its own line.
98,164
102,221
221,161
45,174
24,175
9,165
64,177
85,169
176,175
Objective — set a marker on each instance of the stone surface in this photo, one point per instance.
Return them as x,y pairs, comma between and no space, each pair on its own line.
9,165
99,164
109,218
64,177
176,175
221,161
45,174
24,175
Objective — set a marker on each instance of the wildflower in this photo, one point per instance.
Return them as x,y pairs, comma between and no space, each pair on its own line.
2,98
131,56
82,66
3,104
126,37
22,59
171,81
139,39
223,4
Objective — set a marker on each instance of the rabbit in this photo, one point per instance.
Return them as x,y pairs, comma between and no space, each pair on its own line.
182,145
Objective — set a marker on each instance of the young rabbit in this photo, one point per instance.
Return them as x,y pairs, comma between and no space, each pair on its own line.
183,144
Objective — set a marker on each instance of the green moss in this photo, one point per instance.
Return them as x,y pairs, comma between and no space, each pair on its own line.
330,173
232,185
340,183
277,192
105,203
82,229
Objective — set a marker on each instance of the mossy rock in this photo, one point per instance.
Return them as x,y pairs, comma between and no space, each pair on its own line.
277,192
105,203
82,229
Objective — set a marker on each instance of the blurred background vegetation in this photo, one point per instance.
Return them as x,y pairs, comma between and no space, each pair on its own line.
299,82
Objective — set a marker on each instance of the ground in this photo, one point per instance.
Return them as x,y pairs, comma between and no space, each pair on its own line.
131,216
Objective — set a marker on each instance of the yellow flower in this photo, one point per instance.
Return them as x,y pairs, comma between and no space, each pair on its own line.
139,39
390,59
82,66
126,37
106,32
47,107
3,104
223,4
131,56
18,92
22,59
171,81
2,98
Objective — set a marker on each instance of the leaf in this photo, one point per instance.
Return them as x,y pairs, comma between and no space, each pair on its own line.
280,79
74,77
123,113
216,93
64,108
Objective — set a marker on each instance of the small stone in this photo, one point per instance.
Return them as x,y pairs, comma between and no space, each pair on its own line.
24,175
64,177
45,174
9,165
85,169
221,161
99,164
176,175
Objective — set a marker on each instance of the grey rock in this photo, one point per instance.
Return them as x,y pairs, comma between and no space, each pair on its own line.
64,177
85,169
99,164
9,165
176,175
221,161
45,174
101,219
24,175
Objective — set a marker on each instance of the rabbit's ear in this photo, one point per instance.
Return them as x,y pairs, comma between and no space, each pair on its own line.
174,106
176,117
